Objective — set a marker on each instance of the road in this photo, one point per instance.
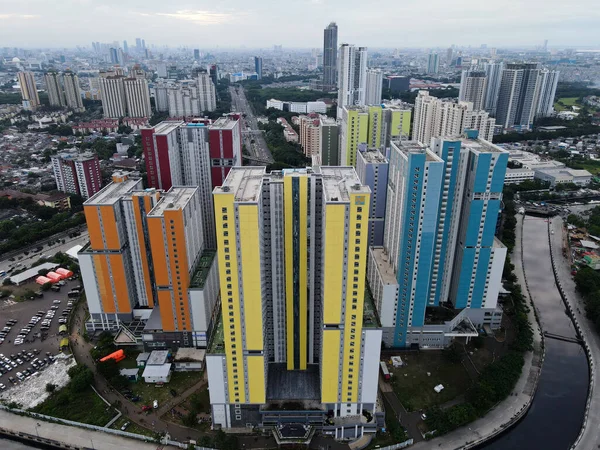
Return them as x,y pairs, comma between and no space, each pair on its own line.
590,436
27,260
250,132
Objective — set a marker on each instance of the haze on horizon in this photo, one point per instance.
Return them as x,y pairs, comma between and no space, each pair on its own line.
236,23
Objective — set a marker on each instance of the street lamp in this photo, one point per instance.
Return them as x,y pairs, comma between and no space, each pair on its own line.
37,424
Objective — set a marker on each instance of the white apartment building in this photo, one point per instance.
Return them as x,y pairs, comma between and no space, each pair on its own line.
112,91
137,97
206,93
374,87
438,118
352,76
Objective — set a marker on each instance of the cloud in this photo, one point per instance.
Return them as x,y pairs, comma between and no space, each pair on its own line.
197,16
19,16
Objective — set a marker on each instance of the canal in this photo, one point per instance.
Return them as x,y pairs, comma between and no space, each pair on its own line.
556,414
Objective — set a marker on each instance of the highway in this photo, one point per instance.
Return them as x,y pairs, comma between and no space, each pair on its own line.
250,132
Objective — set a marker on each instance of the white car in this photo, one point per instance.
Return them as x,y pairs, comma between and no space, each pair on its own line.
155,404
2,387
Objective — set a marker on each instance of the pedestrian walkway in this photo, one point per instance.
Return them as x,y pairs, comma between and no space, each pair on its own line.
76,437
590,434
507,412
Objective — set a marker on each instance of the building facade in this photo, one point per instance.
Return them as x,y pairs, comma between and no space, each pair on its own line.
137,97
112,91
29,94
439,247
473,87
56,95
77,173
372,170
146,262
73,92
374,87
258,66
433,63
282,251
439,118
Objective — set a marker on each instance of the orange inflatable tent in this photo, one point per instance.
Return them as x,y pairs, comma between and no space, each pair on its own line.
64,272
42,280
119,355
54,277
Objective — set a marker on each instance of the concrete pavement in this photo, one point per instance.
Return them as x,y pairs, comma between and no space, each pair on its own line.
590,432
507,412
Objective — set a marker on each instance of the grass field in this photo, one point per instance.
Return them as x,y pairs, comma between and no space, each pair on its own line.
85,407
564,103
414,382
180,381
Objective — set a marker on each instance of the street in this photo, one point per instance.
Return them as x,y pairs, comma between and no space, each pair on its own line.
253,137
33,256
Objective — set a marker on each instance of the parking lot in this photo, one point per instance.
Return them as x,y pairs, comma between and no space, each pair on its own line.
38,342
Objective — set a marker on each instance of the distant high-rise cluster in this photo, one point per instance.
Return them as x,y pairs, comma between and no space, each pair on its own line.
63,90
515,94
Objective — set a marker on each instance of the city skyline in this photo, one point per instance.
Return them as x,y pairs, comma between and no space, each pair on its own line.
238,23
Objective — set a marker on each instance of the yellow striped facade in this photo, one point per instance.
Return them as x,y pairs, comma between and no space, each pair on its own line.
236,322
356,133
295,188
343,304
375,126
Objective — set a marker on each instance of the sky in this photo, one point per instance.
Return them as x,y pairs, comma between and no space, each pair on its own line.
300,23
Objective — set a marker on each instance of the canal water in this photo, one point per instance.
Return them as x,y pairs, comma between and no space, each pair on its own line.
554,420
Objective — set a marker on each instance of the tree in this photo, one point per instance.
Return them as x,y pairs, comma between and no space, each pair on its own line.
46,286
50,388
7,282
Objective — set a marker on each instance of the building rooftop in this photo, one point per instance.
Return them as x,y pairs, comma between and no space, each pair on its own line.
244,182
189,354
157,357
175,199
481,146
226,122
202,269
339,182
114,191
384,267
168,126
415,147
373,156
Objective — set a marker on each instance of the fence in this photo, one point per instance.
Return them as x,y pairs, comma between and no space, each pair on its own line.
397,446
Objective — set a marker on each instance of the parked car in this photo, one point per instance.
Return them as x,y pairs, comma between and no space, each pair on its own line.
155,404
125,425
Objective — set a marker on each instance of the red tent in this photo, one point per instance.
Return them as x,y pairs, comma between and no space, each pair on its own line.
54,277
119,355
42,280
64,272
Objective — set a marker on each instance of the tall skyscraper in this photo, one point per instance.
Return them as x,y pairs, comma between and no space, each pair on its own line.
73,91
439,245
330,49
197,54
114,56
77,173
54,88
473,86
374,87
125,47
434,117
29,94
433,63
206,92
137,97
547,92
352,76
146,253
112,91
258,66
138,44
449,55
519,89
493,71
287,241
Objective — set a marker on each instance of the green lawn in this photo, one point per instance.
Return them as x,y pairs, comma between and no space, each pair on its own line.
564,103
414,387
180,381
85,407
